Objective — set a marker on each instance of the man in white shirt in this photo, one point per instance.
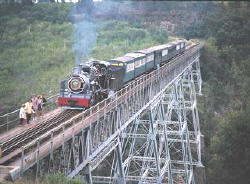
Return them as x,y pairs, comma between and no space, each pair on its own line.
22,114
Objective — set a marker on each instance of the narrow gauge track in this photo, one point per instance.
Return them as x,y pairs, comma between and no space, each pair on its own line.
25,137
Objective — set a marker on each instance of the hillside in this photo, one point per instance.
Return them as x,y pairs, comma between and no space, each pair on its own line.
35,52
38,44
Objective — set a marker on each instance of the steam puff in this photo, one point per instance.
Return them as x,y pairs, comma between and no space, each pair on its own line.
84,39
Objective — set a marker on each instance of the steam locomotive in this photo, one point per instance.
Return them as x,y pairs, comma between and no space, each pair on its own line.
93,81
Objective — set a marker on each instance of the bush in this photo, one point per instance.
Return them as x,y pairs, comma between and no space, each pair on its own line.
59,178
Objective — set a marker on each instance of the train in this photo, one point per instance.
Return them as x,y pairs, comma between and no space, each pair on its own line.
93,81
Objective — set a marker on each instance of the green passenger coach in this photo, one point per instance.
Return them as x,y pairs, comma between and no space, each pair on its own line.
127,63
139,63
164,52
157,54
133,64
149,58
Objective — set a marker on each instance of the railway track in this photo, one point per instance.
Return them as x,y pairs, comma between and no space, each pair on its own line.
25,137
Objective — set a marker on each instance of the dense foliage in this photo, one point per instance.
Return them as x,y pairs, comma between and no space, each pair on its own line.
117,38
35,46
225,104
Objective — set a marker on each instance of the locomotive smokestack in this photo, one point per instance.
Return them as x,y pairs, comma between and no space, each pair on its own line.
76,70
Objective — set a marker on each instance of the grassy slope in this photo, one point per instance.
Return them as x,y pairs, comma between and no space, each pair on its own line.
37,49
33,51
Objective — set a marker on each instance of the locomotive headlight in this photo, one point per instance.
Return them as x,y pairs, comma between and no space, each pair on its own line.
75,84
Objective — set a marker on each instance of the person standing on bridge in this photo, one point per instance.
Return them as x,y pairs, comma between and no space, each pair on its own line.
35,107
44,99
22,114
29,111
39,105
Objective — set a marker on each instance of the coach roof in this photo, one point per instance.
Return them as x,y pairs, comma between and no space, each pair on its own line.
146,51
135,55
123,59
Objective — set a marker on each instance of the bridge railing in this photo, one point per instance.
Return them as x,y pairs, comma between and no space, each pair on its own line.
11,120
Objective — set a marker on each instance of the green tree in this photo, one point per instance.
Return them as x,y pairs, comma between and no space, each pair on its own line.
231,148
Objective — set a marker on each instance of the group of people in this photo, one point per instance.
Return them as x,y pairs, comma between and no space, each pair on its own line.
32,109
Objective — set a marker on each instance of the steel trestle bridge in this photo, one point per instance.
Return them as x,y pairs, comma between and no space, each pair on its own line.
148,132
